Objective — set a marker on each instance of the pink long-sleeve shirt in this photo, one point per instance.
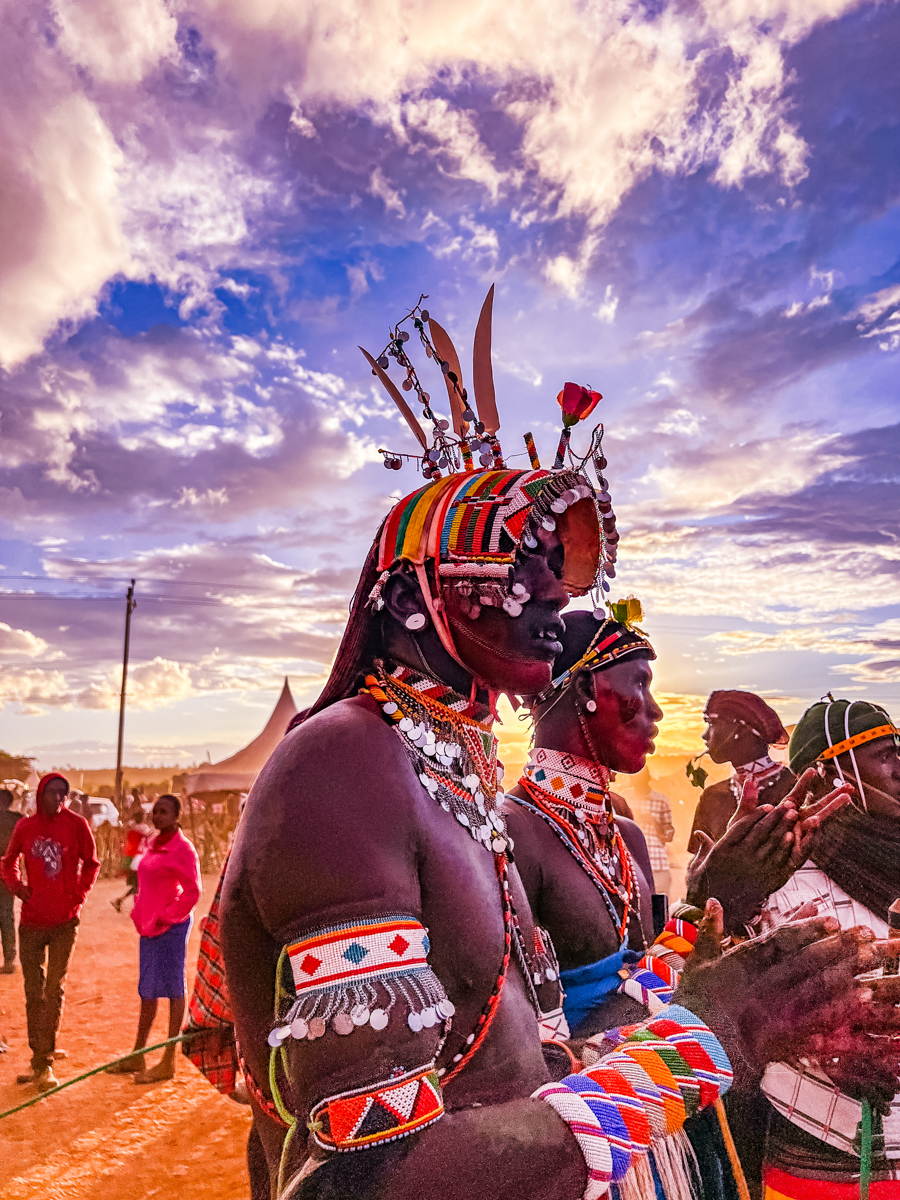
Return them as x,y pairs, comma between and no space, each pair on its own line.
168,886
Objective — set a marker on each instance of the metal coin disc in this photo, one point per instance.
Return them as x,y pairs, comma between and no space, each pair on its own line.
415,1022
378,1018
359,1014
342,1024
317,1028
429,1017
299,1029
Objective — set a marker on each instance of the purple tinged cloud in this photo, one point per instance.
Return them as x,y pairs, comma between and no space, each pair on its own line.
694,210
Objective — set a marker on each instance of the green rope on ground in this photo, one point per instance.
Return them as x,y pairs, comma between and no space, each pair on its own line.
96,1071
865,1151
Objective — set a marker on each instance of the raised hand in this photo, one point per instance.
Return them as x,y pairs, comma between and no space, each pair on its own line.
760,850
811,813
739,869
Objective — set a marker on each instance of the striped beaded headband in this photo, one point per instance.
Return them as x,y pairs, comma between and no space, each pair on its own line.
474,524
605,647
859,739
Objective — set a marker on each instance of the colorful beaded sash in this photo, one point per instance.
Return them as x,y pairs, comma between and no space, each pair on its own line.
375,1114
454,753
662,1071
571,794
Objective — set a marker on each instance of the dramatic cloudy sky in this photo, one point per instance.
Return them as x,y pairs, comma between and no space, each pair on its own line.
204,208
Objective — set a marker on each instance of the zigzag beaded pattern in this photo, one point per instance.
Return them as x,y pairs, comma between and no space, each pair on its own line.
379,1113
665,1069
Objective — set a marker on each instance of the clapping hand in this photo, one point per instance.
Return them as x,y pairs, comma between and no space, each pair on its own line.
793,994
760,850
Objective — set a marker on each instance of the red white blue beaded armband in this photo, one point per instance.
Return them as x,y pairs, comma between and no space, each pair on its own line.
359,973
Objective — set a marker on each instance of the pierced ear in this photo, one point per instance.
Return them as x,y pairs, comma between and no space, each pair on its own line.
403,597
583,685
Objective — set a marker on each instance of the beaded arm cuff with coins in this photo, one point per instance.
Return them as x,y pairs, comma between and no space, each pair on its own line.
362,973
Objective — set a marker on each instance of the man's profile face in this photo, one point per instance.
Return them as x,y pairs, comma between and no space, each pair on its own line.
53,797
515,654
625,723
719,738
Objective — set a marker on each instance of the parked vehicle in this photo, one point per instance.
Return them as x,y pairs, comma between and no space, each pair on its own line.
100,810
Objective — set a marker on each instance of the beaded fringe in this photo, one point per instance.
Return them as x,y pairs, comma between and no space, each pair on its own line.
424,997
677,1167
637,1182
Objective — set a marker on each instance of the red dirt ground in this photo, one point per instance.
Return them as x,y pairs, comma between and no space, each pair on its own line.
106,1138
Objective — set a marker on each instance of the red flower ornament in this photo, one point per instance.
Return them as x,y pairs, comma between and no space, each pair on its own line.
577,402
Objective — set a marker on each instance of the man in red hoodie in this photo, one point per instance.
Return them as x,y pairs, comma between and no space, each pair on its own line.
60,868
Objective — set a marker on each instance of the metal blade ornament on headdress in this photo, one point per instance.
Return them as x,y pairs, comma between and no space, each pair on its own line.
443,344
482,370
452,451
391,390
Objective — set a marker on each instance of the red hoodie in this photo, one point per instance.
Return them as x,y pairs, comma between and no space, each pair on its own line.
60,864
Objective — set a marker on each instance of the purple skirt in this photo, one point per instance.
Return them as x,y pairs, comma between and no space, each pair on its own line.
162,960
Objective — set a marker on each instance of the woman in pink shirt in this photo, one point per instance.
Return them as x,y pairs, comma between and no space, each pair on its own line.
168,888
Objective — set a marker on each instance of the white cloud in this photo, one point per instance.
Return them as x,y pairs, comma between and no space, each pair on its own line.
607,310
116,43
106,178
382,190
19,643
150,685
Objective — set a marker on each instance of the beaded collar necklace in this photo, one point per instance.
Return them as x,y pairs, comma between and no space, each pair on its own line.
761,770
572,795
452,747
454,751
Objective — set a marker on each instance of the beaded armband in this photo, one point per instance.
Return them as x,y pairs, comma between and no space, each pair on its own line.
653,979
356,974
639,1096
383,1112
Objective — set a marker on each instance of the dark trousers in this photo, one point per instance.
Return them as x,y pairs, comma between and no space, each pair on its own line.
7,925
44,992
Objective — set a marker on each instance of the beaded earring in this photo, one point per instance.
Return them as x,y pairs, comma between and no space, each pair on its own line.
415,621
591,706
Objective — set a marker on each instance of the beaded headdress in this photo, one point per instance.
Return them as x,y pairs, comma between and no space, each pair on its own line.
613,641
464,529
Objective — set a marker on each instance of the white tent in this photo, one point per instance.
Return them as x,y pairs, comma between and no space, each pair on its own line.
238,772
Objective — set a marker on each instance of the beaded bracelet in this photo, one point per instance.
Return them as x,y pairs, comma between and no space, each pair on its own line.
662,1072
653,979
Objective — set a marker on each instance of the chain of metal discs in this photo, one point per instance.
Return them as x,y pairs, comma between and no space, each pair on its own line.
444,746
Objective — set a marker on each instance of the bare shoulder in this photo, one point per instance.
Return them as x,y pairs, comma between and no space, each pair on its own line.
332,822
347,748
716,791
526,828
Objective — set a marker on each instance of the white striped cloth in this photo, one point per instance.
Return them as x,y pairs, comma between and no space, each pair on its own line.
804,1096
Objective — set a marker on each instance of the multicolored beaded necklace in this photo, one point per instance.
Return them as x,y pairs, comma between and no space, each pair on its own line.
452,746
760,771
572,795
455,753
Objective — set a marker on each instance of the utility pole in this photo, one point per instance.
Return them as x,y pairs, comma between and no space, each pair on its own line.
129,609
